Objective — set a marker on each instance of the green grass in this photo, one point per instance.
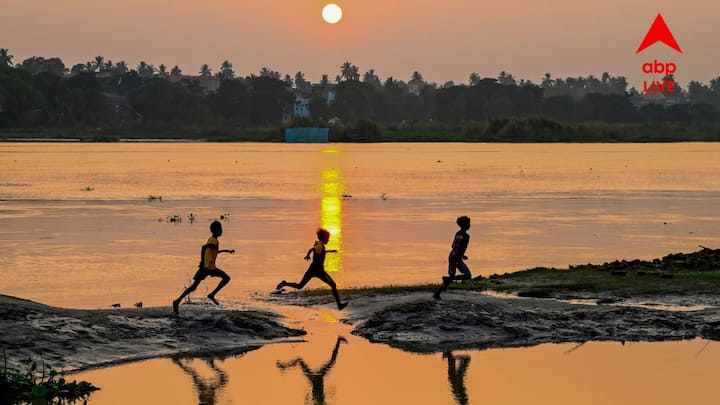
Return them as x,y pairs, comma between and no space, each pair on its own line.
590,279
548,282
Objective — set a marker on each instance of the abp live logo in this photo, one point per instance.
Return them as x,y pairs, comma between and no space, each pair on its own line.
659,32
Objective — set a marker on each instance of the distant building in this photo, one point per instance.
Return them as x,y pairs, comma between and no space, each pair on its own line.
208,84
302,108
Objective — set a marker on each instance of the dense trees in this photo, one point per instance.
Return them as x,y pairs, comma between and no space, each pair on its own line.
42,92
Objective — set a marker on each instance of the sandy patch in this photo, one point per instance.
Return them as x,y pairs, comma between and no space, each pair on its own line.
414,321
72,339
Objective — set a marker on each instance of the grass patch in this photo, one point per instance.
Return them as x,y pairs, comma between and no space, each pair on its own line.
590,279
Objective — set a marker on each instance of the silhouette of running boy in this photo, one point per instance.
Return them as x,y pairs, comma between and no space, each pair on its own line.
457,255
317,267
206,268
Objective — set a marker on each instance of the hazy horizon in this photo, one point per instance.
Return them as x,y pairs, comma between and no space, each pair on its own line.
444,42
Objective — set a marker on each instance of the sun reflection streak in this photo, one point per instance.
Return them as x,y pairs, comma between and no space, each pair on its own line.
331,189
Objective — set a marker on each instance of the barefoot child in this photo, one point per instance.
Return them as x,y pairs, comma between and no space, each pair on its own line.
317,267
208,254
457,255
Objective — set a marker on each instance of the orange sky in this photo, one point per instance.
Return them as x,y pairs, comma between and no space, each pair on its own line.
444,40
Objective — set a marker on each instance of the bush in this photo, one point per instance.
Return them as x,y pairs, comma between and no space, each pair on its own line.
46,385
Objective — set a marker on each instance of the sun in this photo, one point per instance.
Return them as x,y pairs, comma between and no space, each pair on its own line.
332,13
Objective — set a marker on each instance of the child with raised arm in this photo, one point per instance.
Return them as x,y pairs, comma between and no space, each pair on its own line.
207,267
317,267
457,255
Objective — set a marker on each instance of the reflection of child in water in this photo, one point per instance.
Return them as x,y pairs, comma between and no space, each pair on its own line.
206,390
317,267
316,378
456,376
457,255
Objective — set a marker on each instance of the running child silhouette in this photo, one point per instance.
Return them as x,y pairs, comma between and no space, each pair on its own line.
317,267
208,254
457,255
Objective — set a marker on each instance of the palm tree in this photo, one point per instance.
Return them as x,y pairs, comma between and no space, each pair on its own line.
391,83
205,71
226,71
162,70
349,71
474,79
715,85
265,72
99,64
145,70
5,57
121,67
175,71
506,79
372,79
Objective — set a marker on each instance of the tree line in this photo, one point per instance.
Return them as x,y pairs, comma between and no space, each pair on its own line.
43,92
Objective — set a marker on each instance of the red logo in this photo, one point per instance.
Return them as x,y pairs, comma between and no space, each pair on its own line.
659,32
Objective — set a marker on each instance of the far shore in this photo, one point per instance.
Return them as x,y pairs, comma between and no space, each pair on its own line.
517,130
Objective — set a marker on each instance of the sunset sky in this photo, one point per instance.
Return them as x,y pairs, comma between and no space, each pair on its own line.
444,40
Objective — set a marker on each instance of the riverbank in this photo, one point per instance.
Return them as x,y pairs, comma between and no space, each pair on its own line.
73,339
608,302
497,130
672,298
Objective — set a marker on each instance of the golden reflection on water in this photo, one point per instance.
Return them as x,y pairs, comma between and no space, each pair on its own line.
332,190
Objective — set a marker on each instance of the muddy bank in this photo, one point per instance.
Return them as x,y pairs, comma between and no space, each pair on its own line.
72,339
463,319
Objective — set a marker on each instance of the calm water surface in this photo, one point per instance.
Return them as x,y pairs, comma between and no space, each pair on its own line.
531,205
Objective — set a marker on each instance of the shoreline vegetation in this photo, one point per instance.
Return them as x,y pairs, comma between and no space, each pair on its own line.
505,130
102,101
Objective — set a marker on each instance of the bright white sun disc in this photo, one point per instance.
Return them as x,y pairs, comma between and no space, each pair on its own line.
332,13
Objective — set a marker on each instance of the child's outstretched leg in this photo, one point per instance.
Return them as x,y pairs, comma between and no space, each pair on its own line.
308,275
223,283
176,303
329,281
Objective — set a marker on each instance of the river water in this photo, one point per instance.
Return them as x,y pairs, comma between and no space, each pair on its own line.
78,229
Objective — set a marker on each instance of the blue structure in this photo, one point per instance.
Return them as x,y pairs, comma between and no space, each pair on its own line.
307,135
